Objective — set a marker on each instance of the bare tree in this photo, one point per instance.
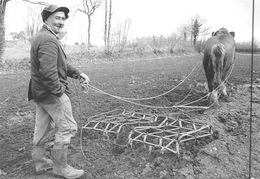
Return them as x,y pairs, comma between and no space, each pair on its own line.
2,27
105,26
198,28
117,34
2,22
109,24
33,22
89,7
126,27
195,28
108,20
184,31
122,31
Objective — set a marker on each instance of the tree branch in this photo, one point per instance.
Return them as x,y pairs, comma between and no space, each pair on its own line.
39,2
91,3
2,2
83,11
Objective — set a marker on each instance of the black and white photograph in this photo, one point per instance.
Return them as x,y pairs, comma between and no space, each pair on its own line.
130,89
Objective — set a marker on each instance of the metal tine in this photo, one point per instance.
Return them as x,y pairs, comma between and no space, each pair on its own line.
193,138
135,121
159,128
160,131
156,136
180,123
170,143
163,122
119,128
194,126
150,149
144,137
161,141
136,137
188,139
178,148
85,126
173,122
155,118
130,134
130,142
116,125
155,145
101,127
143,115
95,127
192,132
107,126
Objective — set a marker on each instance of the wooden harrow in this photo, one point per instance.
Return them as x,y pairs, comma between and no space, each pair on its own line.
166,133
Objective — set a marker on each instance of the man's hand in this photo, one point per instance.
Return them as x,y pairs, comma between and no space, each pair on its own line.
84,80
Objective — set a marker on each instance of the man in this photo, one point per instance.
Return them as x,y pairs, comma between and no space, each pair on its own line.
49,88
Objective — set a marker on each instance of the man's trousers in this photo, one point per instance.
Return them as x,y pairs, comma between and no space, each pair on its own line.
54,119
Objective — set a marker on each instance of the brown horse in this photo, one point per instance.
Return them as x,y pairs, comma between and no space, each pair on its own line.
219,55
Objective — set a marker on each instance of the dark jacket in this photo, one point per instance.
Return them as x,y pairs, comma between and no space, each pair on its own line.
49,67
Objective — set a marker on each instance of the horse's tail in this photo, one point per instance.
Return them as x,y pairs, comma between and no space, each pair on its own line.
217,54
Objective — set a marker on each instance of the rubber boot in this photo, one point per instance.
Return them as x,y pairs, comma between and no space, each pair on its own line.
61,168
41,162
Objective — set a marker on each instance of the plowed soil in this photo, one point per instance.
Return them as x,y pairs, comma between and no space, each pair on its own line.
224,156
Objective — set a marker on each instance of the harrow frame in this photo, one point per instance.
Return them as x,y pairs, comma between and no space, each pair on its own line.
164,132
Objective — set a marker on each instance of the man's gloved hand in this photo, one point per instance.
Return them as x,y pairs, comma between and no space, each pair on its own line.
84,80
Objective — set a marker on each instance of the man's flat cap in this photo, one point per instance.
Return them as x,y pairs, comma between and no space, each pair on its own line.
50,9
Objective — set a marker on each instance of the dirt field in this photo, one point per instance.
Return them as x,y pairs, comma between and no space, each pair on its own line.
225,157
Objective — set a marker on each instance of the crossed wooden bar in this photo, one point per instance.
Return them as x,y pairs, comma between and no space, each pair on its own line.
159,131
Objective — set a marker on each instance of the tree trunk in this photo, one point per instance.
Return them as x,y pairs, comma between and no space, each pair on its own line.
194,40
105,30
89,27
2,29
185,36
109,25
191,38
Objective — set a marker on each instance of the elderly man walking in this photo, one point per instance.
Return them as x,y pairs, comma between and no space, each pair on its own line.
49,88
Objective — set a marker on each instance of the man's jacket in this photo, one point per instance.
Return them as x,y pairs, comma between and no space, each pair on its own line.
49,67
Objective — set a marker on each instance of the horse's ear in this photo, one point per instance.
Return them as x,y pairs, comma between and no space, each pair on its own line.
233,34
212,34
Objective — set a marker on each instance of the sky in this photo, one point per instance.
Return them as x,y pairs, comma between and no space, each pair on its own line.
149,17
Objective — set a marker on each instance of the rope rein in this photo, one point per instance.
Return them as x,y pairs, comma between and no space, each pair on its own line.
177,105
153,97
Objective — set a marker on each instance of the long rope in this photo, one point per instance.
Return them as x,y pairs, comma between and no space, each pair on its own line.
187,105
153,97
144,105
251,90
213,90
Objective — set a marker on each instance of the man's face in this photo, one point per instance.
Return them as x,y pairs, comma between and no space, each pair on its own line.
56,21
